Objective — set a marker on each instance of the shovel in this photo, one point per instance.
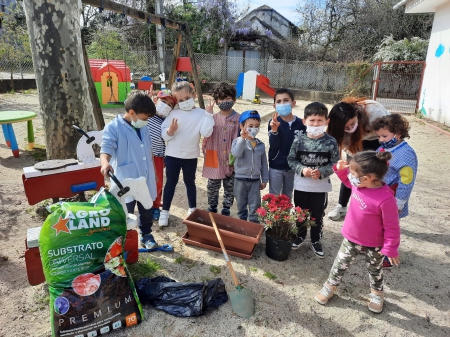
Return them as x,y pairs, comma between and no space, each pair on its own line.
241,298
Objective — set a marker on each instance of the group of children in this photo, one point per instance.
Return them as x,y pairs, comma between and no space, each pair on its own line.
301,157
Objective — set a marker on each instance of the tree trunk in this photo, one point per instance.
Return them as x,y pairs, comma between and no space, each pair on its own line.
55,38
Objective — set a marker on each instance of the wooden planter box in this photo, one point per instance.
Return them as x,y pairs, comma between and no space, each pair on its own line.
239,237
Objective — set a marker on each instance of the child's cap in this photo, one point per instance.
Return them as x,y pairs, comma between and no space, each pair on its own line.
249,114
166,93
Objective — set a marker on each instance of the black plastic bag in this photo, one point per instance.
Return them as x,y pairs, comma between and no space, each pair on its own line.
181,299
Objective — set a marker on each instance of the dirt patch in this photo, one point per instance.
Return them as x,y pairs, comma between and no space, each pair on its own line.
418,298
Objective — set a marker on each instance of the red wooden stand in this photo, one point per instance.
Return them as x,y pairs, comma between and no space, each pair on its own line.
59,185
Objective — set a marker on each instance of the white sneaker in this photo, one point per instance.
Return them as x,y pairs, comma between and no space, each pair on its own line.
190,211
163,219
337,212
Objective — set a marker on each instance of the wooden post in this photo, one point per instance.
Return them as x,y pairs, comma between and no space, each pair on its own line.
377,81
190,50
176,54
424,64
96,108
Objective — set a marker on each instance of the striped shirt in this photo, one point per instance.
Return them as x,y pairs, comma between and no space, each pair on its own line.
217,147
158,144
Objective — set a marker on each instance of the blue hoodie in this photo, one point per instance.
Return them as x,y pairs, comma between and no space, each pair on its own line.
280,144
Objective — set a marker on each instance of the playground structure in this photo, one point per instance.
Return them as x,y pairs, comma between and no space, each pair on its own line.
182,30
248,82
112,81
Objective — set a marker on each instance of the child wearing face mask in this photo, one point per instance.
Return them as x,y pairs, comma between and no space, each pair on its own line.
312,156
164,105
217,148
182,131
250,166
126,152
283,128
401,176
371,222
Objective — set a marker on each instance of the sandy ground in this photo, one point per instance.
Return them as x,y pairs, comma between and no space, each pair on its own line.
418,295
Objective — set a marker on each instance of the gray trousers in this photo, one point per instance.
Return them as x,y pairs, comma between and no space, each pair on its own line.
281,182
248,199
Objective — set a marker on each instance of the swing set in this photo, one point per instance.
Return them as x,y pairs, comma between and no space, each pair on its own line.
182,31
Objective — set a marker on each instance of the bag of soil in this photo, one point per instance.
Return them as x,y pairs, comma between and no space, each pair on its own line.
182,299
91,290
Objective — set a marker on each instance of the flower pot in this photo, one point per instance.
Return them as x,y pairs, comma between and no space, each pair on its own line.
238,236
277,249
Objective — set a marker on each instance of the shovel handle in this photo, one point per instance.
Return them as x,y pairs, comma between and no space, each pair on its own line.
224,251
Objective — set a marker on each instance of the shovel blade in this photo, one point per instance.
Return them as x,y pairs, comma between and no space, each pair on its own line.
242,302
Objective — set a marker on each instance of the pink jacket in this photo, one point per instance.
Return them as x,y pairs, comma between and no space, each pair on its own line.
372,217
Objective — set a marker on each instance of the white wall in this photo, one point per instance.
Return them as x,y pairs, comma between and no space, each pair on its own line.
435,94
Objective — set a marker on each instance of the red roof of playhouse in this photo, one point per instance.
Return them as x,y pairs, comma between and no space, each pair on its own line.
99,66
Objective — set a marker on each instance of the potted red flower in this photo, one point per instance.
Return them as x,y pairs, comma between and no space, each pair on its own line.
281,221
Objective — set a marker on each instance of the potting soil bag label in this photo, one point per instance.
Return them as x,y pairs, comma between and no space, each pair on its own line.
81,247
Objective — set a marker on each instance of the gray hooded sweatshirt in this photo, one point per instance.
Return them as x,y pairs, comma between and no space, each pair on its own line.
250,163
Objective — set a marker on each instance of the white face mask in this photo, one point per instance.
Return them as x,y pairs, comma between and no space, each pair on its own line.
315,130
253,131
353,180
353,129
187,105
163,109
139,124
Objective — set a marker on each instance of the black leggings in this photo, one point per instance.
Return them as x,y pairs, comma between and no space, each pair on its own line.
344,192
315,202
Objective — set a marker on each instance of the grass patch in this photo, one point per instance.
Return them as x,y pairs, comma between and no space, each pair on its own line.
180,259
143,268
253,269
42,298
205,279
270,276
39,153
215,270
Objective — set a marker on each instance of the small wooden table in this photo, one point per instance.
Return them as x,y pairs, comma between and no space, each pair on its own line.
7,118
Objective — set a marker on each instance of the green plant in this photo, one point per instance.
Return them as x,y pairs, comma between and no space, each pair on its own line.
143,268
357,71
215,270
253,269
39,153
180,259
270,276
280,217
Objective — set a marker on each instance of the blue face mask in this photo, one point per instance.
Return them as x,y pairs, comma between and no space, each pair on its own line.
390,143
283,109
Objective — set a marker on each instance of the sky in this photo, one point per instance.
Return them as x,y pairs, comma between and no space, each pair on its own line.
287,9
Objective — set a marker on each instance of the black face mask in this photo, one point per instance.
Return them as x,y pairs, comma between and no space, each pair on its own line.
225,106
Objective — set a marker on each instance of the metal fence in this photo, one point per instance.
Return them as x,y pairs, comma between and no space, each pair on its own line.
18,64
306,75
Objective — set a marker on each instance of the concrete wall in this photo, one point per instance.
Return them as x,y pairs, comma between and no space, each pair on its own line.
19,84
435,94
300,95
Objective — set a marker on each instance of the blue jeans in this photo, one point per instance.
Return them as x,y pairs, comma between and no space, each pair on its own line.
145,218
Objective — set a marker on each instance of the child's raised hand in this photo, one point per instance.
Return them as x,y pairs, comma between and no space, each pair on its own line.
341,164
394,260
315,174
244,132
173,127
274,123
210,106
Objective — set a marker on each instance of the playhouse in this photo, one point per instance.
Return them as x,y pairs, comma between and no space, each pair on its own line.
112,81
